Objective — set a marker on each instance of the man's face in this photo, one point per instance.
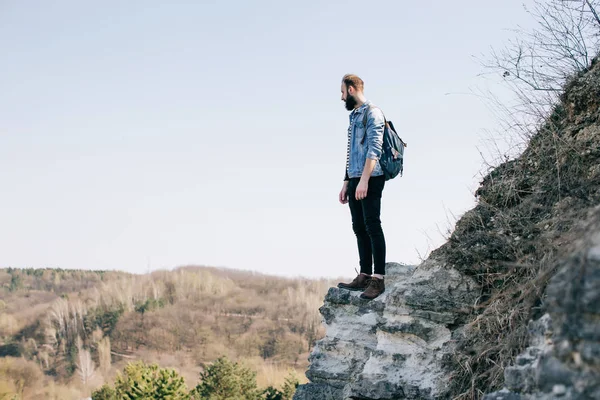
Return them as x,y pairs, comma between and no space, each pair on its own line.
348,97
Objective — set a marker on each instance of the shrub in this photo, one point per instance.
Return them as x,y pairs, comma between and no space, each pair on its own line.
225,380
105,393
140,381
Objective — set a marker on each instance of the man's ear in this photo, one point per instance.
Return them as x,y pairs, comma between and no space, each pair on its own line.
351,90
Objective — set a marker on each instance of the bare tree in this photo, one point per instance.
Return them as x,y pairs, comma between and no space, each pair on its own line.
565,41
85,367
104,354
537,64
65,322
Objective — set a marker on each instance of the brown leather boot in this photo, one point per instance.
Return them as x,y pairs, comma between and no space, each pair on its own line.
376,287
361,282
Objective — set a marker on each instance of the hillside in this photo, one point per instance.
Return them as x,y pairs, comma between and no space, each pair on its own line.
184,318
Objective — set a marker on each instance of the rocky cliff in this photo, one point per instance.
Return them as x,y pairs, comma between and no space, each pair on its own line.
395,346
511,301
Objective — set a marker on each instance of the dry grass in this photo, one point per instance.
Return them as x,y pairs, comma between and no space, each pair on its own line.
269,374
26,380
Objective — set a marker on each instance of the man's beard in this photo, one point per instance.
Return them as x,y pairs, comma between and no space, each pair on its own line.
350,102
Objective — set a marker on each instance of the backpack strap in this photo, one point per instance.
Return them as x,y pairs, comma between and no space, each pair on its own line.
385,121
394,129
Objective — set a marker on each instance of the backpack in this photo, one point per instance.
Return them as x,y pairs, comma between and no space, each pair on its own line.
392,149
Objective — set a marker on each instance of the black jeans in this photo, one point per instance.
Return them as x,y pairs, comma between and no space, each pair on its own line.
367,225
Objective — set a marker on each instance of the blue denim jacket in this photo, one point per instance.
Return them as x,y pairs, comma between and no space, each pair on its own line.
371,148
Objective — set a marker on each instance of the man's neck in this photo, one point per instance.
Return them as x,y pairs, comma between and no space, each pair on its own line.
360,101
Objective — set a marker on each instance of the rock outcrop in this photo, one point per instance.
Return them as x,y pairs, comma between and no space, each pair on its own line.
393,347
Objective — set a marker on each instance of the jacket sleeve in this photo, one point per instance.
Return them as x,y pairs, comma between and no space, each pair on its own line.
375,128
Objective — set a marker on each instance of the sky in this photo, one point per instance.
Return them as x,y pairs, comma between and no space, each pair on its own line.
146,135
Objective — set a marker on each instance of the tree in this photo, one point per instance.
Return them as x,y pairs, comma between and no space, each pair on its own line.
16,282
565,41
104,354
141,381
289,386
105,393
271,393
104,317
286,392
538,62
225,380
85,366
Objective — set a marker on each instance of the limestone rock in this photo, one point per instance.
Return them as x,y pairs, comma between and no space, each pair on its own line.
563,359
392,347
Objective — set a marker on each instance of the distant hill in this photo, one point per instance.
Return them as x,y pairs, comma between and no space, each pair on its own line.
185,318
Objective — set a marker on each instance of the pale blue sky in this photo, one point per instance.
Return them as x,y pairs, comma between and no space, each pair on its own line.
155,134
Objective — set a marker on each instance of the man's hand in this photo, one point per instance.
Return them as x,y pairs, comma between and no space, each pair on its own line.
343,197
361,189
363,185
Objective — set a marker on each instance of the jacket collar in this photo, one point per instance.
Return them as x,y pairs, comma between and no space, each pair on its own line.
360,109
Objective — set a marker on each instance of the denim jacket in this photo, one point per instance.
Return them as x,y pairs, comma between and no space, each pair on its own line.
371,147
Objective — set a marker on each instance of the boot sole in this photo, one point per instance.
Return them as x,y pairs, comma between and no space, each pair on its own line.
371,298
353,289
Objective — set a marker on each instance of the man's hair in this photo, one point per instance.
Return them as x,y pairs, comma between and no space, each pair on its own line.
354,81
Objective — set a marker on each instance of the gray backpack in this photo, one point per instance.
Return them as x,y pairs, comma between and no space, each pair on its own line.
392,150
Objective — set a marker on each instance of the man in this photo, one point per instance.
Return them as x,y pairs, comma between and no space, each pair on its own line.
363,186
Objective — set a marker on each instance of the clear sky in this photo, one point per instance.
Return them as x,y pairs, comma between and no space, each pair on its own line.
143,134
